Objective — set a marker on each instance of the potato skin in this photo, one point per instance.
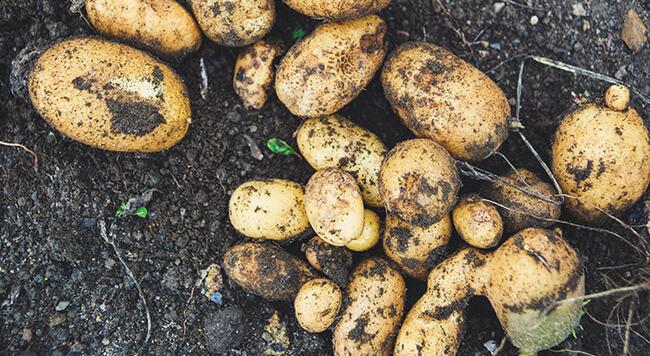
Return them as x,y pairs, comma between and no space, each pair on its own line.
478,222
110,96
317,304
270,209
370,235
334,141
419,182
370,319
234,23
161,26
602,158
254,72
442,97
337,10
328,69
334,262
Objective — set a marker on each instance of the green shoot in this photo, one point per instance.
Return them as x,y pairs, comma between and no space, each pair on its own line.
280,147
298,33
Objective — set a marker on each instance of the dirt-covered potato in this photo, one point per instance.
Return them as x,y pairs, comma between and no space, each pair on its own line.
110,96
270,209
254,72
617,97
266,270
234,23
335,262
415,249
370,235
317,304
161,26
334,141
601,158
370,319
419,182
478,222
330,67
442,97
334,206
337,9
523,210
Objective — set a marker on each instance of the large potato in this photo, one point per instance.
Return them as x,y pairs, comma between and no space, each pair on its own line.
110,96
234,23
161,26
254,72
317,304
370,320
337,9
442,97
334,141
330,67
419,182
268,209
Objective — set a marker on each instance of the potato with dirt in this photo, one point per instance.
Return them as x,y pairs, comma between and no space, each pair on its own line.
478,222
334,262
254,72
370,234
163,27
328,69
337,10
110,96
317,304
334,141
439,96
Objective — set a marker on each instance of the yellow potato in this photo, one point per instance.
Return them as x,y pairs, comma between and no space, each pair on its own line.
317,304
370,235
335,262
254,72
617,97
110,96
478,222
337,9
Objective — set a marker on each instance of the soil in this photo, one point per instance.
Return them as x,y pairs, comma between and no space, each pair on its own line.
61,288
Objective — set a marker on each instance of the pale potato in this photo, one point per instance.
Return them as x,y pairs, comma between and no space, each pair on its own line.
477,222
370,235
617,97
337,9
254,72
317,304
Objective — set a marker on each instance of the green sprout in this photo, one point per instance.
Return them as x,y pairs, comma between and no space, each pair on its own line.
281,147
120,210
142,212
298,33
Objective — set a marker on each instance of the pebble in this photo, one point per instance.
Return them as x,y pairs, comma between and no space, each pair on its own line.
498,6
27,335
62,305
57,319
109,263
579,10
534,20
634,31
106,341
620,73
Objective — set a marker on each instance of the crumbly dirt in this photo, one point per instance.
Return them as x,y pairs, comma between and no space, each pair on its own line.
51,252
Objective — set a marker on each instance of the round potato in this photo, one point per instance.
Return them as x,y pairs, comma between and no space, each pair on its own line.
442,97
161,26
270,209
334,206
415,249
337,9
254,72
370,235
110,96
478,223
330,67
317,304
419,182
335,262
234,23
334,141
617,97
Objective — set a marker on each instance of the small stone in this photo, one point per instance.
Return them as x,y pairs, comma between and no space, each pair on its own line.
634,31
579,10
106,341
534,20
585,25
109,263
57,319
498,6
62,305
27,335
620,73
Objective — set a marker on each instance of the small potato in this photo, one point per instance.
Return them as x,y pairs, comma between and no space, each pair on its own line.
442,97
335,262
523,209
370,235
254,72
266,270
334,206
110,96
617,97
317,304
478,223
370,320
334,141
234,23
337,9
419,182
416,250
161,26
270,209
330,67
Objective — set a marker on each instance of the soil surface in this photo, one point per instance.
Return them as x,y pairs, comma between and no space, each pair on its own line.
62,288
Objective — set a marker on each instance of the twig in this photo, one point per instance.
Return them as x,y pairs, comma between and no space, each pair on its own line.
456,26
11,144
626,343
634,288
204,80
567,351
502,344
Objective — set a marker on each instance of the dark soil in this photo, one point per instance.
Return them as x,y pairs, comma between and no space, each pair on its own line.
51,250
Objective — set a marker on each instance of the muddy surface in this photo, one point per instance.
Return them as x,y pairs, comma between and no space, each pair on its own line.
62,288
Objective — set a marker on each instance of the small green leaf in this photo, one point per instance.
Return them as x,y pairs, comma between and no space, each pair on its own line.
573,333
585,302
298,33
280,147
120,210
142,212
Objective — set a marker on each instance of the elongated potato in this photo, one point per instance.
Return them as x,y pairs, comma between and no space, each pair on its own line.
334,262
370,320
330,67
317,304
370,235
337,9
270,209
334,141
110,96
254,72
161,26
442,97
478,223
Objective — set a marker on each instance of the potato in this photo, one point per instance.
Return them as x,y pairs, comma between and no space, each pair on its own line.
110,96
370,319
266,270
419,182
337,9
270,209
415,249
601,158
334,141
234,23
370,235
523,210
334,262
330,67
478,223
617,97
160,26
254,72
317,304
442,97
334,206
